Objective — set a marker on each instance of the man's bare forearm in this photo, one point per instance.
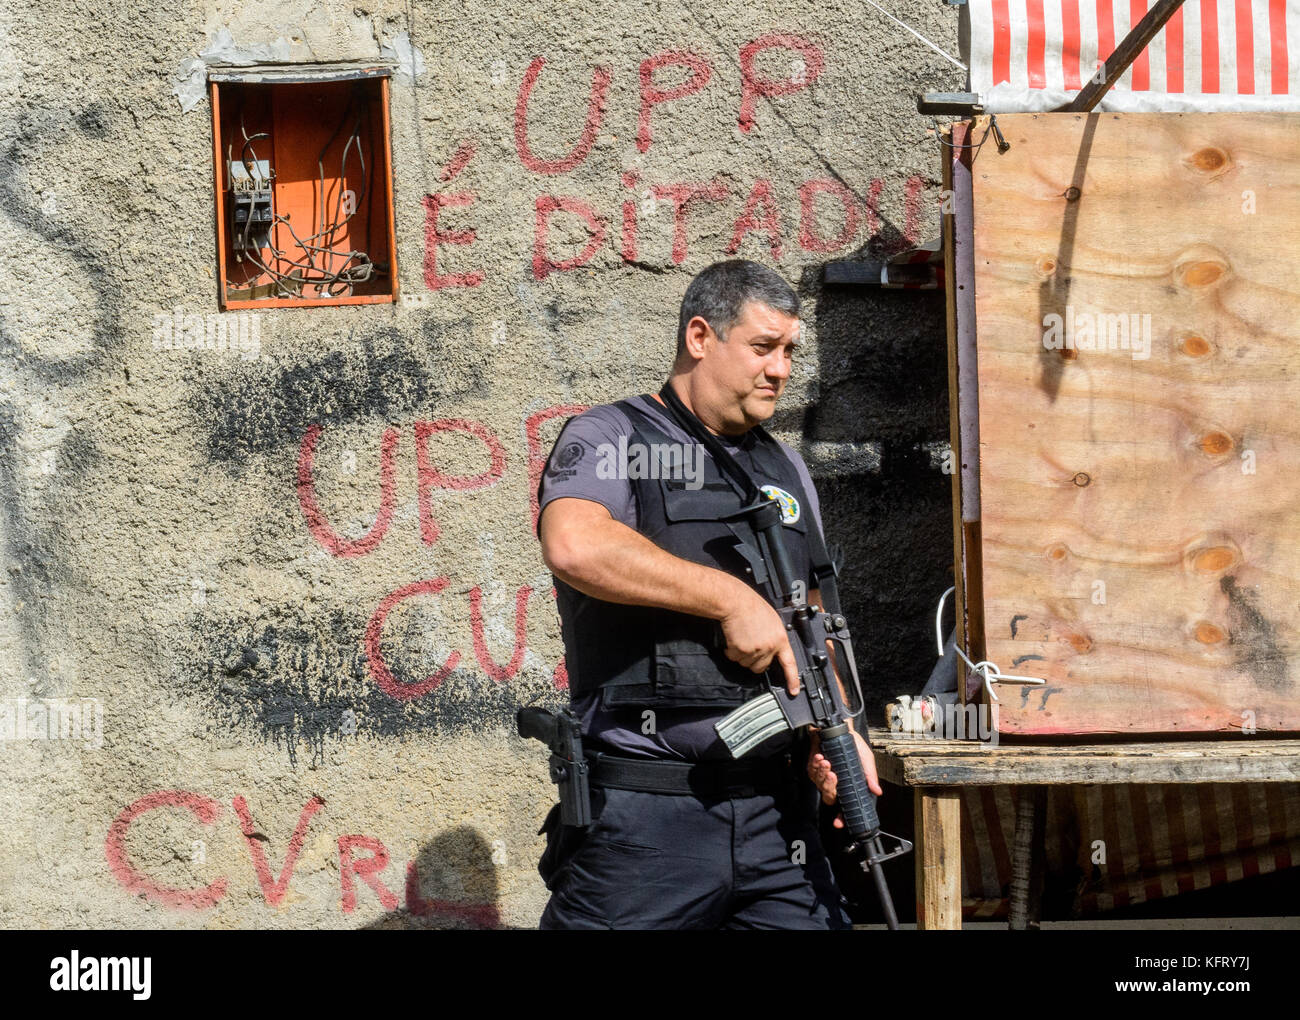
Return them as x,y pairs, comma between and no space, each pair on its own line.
608,560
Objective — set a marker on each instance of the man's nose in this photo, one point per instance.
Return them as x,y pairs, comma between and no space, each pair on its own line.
778,365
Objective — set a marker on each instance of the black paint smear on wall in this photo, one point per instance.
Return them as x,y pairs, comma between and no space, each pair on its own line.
30,559
93,121
33,537
292,680
388,376
21,145
1254,638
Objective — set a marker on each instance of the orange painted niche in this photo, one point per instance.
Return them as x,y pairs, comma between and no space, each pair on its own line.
304,188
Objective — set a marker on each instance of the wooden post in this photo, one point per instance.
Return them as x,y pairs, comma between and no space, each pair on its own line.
1027,860
938,858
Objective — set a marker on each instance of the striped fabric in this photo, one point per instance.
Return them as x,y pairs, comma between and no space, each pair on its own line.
1157,841
1211,55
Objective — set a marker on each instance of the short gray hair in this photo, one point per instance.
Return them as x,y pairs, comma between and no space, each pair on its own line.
718,295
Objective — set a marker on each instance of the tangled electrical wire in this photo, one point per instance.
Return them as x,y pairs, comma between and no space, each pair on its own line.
946,147
318,249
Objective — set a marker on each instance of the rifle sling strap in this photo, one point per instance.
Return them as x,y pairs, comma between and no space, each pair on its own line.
823,566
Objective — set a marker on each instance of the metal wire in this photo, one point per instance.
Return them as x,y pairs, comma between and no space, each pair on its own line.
957,148
357,266
909,28
985,668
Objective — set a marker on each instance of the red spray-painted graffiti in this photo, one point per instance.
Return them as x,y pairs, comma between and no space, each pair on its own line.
681,195
760,214
753,86
543,263
428,479
651,96
809,239
689,74
433,237
596,101
134,880
379,670
369,869
273,892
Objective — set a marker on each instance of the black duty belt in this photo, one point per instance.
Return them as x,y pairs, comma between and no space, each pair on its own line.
707,780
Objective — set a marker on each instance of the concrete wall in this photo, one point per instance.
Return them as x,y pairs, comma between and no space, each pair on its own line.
184,550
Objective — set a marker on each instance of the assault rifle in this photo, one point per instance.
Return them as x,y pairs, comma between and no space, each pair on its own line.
823,651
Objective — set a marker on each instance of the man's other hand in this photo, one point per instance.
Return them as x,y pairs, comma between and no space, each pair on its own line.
819,771
755,636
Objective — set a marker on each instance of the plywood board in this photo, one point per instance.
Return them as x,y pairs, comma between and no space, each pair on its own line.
1140,486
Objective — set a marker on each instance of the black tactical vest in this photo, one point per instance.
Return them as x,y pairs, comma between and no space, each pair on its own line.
646,657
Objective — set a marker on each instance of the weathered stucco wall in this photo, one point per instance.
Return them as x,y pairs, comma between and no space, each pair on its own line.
224,557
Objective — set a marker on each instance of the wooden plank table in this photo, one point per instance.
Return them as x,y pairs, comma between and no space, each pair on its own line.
936,769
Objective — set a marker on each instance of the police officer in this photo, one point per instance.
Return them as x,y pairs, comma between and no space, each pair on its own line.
665,633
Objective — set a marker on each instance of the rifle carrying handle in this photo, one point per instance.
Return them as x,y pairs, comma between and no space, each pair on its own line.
857,802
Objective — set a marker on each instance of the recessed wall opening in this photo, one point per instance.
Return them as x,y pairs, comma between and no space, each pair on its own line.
304,197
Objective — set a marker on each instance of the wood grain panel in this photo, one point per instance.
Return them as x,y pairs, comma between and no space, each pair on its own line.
1140,493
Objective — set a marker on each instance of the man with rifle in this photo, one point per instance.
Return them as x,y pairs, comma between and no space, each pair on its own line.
690,567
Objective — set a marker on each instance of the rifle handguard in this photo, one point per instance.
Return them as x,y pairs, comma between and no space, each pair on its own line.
855,799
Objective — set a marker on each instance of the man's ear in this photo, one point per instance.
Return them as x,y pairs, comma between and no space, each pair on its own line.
698,335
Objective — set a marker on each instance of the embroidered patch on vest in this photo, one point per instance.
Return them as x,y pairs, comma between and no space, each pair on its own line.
789,505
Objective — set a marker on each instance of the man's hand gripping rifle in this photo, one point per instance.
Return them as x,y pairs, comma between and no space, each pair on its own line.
824,655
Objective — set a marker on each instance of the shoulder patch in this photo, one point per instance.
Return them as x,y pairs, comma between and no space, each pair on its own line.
570,455
790,508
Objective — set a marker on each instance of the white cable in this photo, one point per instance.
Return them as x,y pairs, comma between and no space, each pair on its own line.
917,34
938,619
986,668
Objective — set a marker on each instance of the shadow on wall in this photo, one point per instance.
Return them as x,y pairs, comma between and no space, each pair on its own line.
452,883
875,430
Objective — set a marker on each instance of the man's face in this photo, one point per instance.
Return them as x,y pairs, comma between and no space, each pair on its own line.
748,371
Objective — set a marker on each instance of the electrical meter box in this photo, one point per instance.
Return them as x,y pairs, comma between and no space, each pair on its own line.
304,196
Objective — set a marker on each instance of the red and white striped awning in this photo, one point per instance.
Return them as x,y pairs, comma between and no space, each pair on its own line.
1213,55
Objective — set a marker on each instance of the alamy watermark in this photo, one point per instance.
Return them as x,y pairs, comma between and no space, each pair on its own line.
942,717
75,973
71,719
237,332
1098,331
683,462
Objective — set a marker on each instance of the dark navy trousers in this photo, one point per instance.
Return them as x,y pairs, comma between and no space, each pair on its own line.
654,860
